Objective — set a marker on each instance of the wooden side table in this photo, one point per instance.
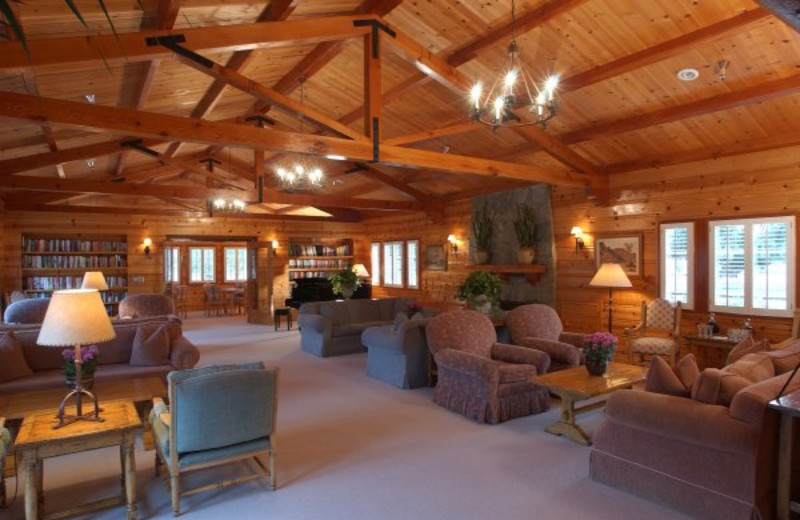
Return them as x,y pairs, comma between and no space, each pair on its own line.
37,440
701,345
789,408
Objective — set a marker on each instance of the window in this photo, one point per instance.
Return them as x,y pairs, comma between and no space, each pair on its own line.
375,266
172,264
412,255
677,263
235,264
752,264
393,264
201,264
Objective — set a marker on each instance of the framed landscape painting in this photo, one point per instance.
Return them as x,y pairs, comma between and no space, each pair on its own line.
623,250
436,258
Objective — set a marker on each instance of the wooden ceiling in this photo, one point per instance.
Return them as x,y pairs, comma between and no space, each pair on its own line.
622,108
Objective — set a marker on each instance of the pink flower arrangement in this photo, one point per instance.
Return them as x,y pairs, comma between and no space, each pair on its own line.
600,346
413,307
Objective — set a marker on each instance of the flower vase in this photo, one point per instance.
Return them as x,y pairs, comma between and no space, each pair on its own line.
596,367
87,381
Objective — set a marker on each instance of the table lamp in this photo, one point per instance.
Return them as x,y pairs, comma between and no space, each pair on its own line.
611,276
361,271
74,318
94,280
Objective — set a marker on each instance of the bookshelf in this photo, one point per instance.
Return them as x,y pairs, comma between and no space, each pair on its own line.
51,263
318,259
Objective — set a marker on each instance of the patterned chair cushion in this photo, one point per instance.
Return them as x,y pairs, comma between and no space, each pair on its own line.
535,320
660,315
661,346
467,331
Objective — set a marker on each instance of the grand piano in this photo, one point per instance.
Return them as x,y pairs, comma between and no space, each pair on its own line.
319,290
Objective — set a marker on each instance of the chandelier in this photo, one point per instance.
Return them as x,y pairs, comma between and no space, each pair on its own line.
513,91
224,205
300,172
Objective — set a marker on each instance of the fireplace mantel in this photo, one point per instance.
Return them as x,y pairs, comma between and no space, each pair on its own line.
531,271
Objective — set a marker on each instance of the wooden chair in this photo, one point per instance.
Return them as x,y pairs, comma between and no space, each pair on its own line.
795,332
217,415
658,333
214,299
179,297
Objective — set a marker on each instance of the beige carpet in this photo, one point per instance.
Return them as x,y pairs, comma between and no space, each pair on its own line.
351,447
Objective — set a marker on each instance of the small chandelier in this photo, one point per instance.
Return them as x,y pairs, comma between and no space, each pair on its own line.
512,90
301,172
223,205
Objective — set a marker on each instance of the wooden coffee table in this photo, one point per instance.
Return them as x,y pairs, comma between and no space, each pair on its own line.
575,384
38,440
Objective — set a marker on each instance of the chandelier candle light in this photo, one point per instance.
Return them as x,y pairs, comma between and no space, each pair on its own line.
302,173
512,90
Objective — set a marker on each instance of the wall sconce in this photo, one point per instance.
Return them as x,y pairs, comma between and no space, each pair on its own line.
275,245
147,243
577,233
451,239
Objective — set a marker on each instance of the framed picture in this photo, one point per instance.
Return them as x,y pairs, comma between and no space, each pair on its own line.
436,258
623,250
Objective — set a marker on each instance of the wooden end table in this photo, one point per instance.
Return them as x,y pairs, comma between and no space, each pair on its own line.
789,408
719,346
575,384
37,440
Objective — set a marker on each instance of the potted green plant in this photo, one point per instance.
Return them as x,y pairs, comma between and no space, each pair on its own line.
482,229
481,290
525,228
345,282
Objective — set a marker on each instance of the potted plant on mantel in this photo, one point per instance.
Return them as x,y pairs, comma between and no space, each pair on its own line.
345,282
480,290
525,228
482,229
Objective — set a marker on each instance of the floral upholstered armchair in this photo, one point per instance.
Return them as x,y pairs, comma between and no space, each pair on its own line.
480,378
538,326
657,333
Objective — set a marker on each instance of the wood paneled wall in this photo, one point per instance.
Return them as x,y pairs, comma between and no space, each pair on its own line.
145,274
437,288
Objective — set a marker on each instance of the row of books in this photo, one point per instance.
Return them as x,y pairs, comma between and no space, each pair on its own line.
298,275
311,263
52,283
108,297
345,249
73,262
72,246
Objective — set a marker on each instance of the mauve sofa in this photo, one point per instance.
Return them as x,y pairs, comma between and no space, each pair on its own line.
47,363
334,328
706,460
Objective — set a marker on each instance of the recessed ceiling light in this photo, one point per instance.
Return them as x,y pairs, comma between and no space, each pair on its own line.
688,74
90,98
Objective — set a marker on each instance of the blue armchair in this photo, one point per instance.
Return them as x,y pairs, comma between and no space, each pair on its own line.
217,415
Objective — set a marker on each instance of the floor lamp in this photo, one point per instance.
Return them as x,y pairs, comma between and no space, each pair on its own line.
74,318
614,277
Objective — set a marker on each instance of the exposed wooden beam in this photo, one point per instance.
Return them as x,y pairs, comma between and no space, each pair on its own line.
388,96
748,96
193,167
499,185
146,124
442,131
379,173
222,38
78,153
372,85
277,10
774,142
337,201
162,15
231,77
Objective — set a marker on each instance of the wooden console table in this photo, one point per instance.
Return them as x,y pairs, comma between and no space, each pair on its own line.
37,440
700,346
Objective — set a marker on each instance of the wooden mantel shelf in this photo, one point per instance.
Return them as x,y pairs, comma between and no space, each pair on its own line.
530,271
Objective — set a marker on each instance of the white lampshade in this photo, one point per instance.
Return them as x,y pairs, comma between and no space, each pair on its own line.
94,280
610,275
576,231
75,317
361,271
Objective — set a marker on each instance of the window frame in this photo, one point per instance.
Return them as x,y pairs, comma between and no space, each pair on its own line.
202,264
691,256
375,267
408,264
236,279
791,261
400,283
173,261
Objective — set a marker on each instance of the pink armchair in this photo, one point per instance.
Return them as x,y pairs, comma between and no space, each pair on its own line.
480,378
538,326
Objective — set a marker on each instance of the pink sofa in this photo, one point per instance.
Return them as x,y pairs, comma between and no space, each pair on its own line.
47,363
706,460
